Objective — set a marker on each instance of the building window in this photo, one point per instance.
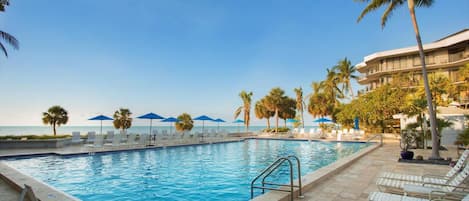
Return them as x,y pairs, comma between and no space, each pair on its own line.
430,59
416,61
455,54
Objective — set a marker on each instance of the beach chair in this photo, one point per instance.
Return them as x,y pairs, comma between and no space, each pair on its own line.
380,196
425,187
116,141
109,136
295,130
91,137
27,194
131,140
302,132
97,142
123,134
187,137
76,138
439,179
142,140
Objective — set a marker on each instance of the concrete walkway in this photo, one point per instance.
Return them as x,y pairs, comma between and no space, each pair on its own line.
358,180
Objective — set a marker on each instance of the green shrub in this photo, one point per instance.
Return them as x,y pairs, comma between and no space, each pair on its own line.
33,137
463,137
280,130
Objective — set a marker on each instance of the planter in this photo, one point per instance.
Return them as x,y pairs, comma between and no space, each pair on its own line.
27,144
407,155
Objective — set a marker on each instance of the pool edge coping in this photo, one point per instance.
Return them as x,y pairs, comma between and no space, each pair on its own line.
318,176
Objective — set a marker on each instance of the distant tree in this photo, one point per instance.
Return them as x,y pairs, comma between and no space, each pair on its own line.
122,119
55,116
9,39
300,104
185,122
287,109
246,108
262,112
318,102
273,102
345,73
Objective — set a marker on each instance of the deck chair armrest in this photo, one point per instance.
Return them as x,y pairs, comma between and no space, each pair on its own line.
388,178
435,176
446,185
446,196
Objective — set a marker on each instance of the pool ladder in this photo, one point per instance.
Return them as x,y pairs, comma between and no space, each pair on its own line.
270,169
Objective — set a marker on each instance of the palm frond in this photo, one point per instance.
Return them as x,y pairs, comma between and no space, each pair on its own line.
423,3
238,111
11,40
388,12
4,50
373,5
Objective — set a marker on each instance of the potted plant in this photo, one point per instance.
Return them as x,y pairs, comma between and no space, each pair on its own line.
407,139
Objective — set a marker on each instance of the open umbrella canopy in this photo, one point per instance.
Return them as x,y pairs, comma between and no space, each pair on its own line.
150,116
238,121
170,119
292,120
219,120
322,120
203,118
101,118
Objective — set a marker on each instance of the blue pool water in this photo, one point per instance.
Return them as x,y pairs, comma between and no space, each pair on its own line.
200,172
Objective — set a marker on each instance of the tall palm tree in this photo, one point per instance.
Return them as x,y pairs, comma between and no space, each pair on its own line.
300,103
273,102
246,107
345,73
411,4
122,119
55,116
9,39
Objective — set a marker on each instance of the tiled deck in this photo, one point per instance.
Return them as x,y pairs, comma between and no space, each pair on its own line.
353,183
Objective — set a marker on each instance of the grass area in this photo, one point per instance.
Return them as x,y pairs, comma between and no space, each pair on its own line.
33,137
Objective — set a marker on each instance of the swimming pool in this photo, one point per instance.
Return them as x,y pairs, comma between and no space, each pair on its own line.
200,172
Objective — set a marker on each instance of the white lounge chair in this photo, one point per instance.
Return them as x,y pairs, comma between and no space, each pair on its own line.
131,140
143,139
76,138
302,132
116,141
431,178
109,136
97,142
91,137
397,185
380,196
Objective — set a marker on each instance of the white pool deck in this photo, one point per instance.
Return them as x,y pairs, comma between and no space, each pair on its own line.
350,179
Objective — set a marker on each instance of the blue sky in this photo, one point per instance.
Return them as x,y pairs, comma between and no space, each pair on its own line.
173,56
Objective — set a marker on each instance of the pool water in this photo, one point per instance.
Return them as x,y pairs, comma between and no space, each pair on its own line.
200,172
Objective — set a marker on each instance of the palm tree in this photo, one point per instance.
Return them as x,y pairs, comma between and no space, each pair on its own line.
345,72
261,111
246,107
55,116
122,119
287,109
9,39
300,103
185,122
391,6
273,102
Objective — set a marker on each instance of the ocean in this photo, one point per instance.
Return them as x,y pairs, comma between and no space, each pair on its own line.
43,130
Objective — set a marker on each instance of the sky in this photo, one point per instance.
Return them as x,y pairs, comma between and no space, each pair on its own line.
173,56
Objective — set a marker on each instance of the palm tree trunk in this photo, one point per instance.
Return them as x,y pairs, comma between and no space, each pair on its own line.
268,123
276,120
350,89
53,127
302,117
285,122
431,112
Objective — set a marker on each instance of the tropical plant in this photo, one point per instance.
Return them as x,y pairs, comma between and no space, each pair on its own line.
246,107
463,137
391,6
287,109
331,89
318,102
273,102
55,116
122,119
345,73
9,39
300,104
262,112
185,122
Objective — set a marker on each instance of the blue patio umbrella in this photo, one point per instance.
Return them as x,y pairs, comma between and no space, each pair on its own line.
203,118
100,118
150,116
238,121
322,120
292,121
170,120
218,123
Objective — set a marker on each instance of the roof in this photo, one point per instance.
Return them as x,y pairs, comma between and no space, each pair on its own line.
449,40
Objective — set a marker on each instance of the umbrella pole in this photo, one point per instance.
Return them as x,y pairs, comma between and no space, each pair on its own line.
149,134
101,132
203,129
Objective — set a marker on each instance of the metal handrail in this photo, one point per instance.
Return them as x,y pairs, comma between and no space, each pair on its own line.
270,169
375,136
